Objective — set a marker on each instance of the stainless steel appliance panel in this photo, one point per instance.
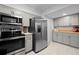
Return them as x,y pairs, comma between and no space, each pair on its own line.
44,33
38,36
39,30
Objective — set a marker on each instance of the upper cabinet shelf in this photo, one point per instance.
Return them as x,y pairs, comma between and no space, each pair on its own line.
70,20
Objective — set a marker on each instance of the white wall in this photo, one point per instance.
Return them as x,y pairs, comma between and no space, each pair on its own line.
49,29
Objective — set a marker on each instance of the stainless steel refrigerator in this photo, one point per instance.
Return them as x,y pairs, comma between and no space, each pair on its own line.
39,30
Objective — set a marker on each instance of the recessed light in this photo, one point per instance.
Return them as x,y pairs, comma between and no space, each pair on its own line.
64,14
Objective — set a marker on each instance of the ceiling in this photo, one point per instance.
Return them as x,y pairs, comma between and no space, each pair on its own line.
39,9
46,8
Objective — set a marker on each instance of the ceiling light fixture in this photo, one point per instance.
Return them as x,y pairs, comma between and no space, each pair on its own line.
64,14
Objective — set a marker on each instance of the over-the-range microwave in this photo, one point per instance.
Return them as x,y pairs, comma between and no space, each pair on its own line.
10,19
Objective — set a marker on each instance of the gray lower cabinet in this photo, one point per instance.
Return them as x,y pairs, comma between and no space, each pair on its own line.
66,38
60,37
55,36
28,43
74,41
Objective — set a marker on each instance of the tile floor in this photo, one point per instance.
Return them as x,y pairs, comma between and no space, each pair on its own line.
57,49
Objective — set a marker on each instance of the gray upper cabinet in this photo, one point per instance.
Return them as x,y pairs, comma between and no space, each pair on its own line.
74,41
67,20
74,19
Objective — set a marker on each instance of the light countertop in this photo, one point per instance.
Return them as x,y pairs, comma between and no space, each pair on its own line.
66,31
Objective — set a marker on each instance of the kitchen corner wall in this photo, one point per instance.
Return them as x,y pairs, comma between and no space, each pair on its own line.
50,26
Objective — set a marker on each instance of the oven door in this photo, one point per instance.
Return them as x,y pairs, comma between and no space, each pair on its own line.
11,45
6,34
